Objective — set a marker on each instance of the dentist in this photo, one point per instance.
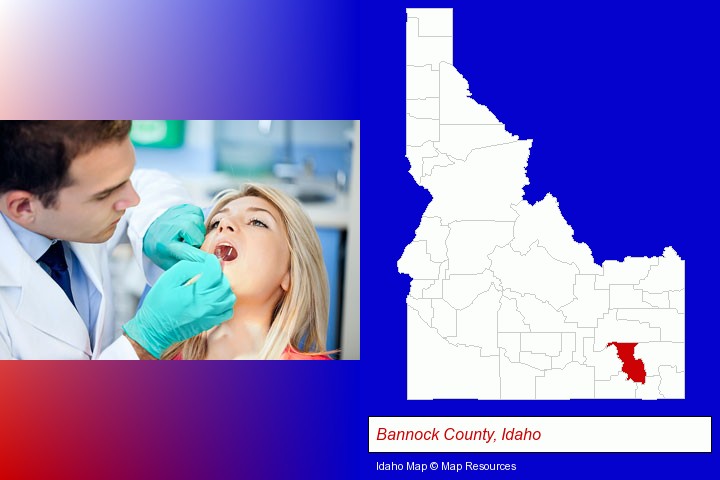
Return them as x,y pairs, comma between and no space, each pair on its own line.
68,196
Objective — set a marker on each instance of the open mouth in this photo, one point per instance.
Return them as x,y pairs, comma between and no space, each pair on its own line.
225,252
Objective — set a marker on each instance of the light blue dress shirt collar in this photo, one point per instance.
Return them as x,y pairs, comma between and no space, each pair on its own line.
33,243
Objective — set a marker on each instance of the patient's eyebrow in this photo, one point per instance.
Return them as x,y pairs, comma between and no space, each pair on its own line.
258,209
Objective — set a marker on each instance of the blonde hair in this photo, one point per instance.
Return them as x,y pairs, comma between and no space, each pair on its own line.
301,315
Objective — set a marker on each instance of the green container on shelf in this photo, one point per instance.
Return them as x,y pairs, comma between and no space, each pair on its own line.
158,133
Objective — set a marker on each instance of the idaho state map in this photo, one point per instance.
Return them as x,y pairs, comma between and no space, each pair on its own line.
503,302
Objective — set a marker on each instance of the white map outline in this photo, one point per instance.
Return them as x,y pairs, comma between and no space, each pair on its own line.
504,304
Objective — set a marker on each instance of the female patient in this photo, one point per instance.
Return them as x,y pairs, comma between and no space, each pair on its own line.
271,255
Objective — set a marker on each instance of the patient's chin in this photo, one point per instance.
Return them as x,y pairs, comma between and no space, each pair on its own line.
232,280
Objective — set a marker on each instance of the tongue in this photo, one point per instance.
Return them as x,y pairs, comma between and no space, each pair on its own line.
226,253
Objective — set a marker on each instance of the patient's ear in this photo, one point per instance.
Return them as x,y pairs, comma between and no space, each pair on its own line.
19,206
285,284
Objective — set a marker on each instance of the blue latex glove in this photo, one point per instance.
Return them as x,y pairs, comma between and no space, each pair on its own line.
173,312
175,235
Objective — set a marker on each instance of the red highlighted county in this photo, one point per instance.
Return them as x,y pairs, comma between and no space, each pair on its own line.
634,367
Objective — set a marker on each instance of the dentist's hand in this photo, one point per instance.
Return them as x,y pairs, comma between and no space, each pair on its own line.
173,312
175,235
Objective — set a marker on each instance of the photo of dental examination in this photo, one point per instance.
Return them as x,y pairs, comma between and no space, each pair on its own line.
180,240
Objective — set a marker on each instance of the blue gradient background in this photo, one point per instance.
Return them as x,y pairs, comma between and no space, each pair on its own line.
621,103
179,59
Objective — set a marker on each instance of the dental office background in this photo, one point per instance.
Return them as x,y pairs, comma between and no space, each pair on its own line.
316,161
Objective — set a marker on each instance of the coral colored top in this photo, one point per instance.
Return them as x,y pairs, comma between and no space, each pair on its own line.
289,354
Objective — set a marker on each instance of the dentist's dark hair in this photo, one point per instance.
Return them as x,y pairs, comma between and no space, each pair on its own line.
35,155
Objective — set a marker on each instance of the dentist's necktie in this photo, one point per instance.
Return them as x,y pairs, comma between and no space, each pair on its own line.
54,258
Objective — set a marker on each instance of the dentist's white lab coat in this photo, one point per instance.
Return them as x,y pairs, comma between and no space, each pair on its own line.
37,320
